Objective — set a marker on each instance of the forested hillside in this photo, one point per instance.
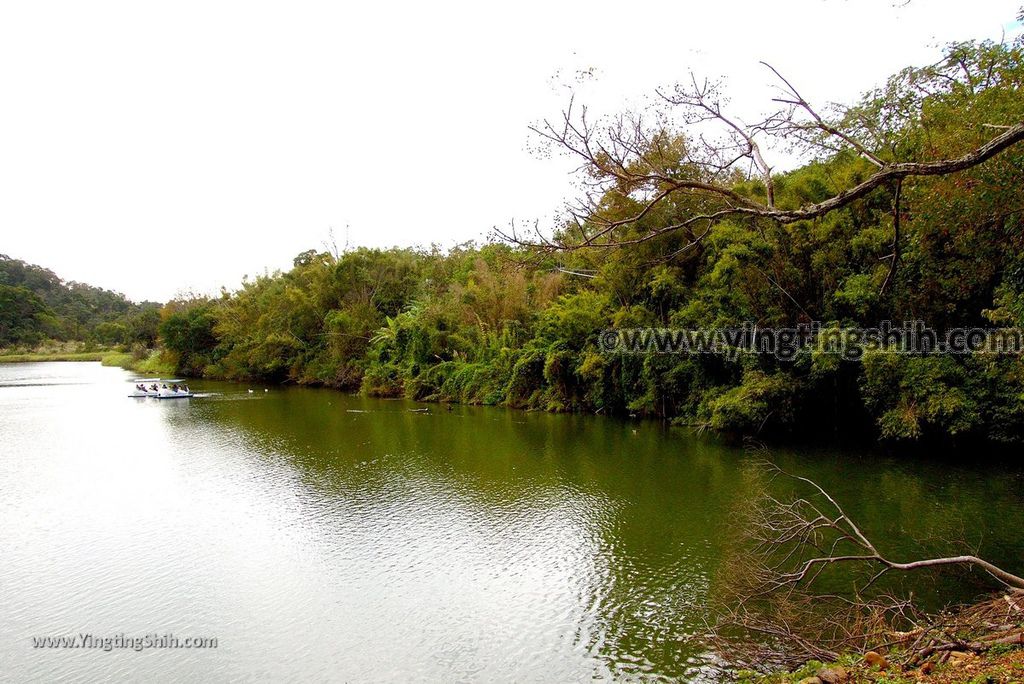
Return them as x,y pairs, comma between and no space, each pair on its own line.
37,305
517,324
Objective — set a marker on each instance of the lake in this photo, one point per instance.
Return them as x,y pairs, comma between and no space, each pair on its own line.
325,537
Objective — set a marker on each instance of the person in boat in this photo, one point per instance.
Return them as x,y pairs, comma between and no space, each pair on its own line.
184,388
174,387
154,387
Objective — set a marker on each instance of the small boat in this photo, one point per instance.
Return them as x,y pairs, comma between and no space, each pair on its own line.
145,387
174,389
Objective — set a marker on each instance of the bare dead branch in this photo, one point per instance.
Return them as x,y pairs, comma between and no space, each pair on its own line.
769,606
630,168
819,123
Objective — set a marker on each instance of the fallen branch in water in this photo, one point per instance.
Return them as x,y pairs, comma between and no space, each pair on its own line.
804,584
802,522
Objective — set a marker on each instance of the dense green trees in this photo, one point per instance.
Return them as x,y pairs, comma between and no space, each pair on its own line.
36,305
187,331
24,318
508,325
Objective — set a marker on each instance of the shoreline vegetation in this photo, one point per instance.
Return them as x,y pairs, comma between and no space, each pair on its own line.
150,365
869,229
907,208
139,360
31,357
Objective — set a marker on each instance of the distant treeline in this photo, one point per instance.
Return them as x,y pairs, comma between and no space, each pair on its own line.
37,306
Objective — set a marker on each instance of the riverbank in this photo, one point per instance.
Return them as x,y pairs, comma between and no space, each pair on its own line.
33,357
978,642
55,350
999,664
159,362
152,363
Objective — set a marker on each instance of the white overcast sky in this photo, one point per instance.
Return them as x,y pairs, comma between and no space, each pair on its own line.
151,148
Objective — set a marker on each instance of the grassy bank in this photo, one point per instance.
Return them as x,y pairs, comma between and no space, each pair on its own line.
152,363
54,350
53,356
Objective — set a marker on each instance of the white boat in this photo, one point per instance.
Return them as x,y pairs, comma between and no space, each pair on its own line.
174,389
145,387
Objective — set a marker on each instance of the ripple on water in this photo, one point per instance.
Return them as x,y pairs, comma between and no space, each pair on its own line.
326,537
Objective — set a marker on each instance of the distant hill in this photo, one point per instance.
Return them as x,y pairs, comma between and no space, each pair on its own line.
36,304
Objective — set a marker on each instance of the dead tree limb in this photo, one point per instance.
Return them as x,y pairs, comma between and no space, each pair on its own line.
694,170
772,602
825,525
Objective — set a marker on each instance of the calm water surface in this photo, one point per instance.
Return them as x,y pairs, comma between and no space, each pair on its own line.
323,537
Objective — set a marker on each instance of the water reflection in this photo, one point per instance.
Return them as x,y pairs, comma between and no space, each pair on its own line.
322,536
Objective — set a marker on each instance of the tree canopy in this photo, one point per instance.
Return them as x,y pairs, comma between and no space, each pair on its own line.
908,208
38,305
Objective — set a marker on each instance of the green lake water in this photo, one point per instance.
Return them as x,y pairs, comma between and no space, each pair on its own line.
325,537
